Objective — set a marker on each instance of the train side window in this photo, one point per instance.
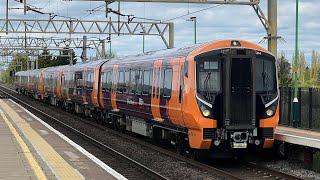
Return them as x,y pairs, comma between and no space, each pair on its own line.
133,81
139,82
121,82
146,82
167,84
109,81
127,81
90,80
103,81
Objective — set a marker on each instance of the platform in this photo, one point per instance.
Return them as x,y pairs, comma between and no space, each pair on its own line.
302,137
31,149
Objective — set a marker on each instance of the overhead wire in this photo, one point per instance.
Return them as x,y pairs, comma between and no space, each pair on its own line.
194,12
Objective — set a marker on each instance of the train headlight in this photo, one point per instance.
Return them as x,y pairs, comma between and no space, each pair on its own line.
205,111
269,112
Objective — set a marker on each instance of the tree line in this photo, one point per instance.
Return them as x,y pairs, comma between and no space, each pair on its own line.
308,74
45,59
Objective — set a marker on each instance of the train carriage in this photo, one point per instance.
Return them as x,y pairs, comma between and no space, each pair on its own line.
77,85
219,95
221,91
52,84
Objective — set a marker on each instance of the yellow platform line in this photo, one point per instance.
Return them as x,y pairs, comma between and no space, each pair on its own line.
25,150
59,167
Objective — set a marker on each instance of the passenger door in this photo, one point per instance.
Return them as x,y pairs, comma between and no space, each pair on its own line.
155,93
115,77
175,102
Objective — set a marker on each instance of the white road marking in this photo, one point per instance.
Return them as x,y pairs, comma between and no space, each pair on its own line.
79,148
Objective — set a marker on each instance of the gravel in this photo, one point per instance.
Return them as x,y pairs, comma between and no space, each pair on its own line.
294,167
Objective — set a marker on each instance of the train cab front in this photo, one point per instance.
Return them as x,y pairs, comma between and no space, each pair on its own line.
237,87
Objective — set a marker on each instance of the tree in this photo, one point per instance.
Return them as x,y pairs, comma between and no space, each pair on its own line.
45,59
284,71
314,66
307,75
301,68
64,58
19,63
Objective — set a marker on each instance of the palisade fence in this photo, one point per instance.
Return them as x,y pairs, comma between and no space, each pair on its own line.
309,109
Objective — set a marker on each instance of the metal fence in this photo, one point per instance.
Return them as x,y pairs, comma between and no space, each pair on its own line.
309,109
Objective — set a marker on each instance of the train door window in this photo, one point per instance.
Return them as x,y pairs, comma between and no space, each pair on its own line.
167,83
139,82
185,70
127,81
109,81
103,81
181,84
121,82
146,82
133,81
78,78
90,80
159,87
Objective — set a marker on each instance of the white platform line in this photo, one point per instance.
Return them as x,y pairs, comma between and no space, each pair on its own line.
79,148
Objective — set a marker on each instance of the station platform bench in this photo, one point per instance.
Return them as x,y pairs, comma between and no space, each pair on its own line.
31,149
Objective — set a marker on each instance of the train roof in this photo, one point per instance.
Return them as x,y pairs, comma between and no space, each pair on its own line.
165,55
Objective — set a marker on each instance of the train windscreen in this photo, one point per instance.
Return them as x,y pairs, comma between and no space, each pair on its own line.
265,75
208,77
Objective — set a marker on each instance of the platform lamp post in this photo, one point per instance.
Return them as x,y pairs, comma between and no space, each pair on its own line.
194,19
295,103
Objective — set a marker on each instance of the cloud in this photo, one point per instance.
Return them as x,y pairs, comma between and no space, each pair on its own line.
218,22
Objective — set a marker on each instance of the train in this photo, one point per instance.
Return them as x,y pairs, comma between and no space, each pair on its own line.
216,96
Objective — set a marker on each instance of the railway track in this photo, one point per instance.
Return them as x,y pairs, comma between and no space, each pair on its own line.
123,164
242,170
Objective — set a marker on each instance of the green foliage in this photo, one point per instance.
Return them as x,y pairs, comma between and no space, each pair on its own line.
284,71
46,59
19,63
308,75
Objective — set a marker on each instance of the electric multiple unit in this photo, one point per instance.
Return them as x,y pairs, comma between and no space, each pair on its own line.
218,95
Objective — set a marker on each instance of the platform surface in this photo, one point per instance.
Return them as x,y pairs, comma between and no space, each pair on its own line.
297,136
31,149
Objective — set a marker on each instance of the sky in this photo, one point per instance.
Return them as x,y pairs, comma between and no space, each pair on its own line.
214,22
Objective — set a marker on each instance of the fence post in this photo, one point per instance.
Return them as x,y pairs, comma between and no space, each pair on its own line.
300,104
310,108
289,106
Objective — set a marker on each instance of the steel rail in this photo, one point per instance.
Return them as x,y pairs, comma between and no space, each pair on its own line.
89,138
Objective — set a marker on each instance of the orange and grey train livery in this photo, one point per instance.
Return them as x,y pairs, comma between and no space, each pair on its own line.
218,95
